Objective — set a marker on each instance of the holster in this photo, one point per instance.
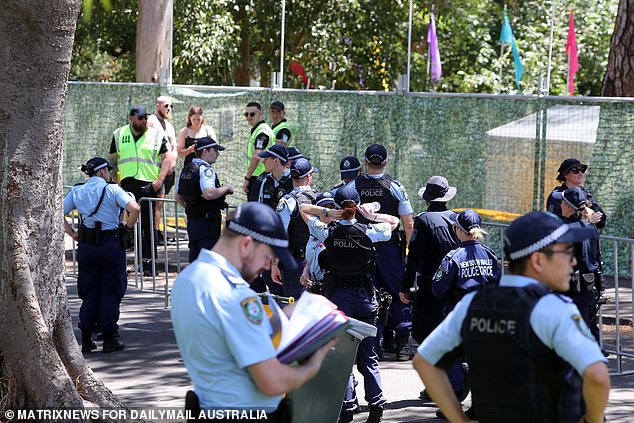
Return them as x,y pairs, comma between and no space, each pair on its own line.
124,235
385,300
586,282
90,235
192,404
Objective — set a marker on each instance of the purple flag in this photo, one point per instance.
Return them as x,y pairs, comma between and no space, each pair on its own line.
434,52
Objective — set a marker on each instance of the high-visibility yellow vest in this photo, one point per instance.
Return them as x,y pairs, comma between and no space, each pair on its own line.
283,125
139,160
261,128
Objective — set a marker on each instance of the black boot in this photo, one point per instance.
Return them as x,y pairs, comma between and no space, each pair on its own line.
402,347
87,345
389,344
345,416
375,415
111,342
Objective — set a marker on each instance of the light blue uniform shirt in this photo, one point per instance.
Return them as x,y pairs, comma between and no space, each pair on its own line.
85,198
397,190
377,232
207,175
556,323
221,329
288,204
313,248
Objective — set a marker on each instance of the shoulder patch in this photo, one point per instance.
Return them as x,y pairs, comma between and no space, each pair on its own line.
281,205
581,326
209,172
378,228
252,310
440,273
318,224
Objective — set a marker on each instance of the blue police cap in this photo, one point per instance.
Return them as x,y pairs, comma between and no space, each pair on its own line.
276,150
301,168
138,111
376,154
575,197
346,194
294,154
264,225
207,142
467,220
95,164
349,167
536,230
437,189
324,199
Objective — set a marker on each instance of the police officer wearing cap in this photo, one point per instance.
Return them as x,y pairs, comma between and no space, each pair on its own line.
102,278
376,186
203,195
572,173
275,182
225,339
279,125
542,344
349,168
348,262
587,283
260,139
288,209
144,163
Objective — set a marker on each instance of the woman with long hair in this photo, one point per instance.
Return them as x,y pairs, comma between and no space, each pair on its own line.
195,128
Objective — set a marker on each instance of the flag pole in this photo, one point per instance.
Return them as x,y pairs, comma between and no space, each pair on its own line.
550,47
281,81
409,44
501,66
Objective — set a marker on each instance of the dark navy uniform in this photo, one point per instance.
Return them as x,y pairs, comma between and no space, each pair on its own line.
268,190
392,197
204,218
431,240
553,205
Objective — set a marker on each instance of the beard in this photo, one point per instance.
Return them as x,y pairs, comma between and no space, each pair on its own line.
140,128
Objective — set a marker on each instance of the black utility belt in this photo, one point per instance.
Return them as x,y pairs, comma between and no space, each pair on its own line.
93,231
208,215
349,285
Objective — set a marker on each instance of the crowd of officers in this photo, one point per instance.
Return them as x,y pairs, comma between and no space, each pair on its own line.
359,245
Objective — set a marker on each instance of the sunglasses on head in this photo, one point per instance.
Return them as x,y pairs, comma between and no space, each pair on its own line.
249,114
576,170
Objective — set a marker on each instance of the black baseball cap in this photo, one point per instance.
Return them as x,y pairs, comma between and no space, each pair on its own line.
207,142
138,111
437,189
575,197
275,150
264,225
467,220
301,168
349,167
346,194
95,164
536,230
376,154
278,105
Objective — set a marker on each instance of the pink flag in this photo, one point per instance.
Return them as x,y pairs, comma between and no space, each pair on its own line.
573,58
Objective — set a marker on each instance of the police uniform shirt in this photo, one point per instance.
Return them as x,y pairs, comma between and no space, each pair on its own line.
555,320
265,180
287,205
377,232
207,174
313,248
221,329
465,268
397,190
85,198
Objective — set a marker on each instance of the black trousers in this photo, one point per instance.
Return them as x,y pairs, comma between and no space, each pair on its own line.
142,189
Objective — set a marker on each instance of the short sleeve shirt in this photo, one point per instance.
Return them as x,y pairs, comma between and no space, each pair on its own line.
377,232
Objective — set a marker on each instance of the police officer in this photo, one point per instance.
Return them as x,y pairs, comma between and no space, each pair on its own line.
542,344
204,196
376,186
288,209
225,339
102,278
349,168
348,261
260,139
586,285
144,163
572,173
462,270
279,125
275,182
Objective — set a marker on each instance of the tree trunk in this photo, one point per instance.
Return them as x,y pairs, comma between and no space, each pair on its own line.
242,74
41,365
619,76
154,41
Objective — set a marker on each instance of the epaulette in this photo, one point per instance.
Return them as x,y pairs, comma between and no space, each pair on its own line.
79,183
563,297
234,281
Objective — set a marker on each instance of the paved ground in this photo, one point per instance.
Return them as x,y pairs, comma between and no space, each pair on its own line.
149,373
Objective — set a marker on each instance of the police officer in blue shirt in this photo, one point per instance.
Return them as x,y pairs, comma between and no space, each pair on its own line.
541,344
288,209
222,332
376,186
102,278
348,262
275,182
203,195
349,168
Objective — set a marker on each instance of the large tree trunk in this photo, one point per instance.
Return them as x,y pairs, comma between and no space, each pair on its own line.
154,40
242,71
619,77
41,365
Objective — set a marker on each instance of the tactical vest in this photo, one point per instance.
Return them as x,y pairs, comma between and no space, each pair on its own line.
512,372
139,159
189,188
348,259
371,190
272,193
261,128
283,125
297,229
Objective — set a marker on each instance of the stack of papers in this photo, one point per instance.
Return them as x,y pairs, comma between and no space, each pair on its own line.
313,323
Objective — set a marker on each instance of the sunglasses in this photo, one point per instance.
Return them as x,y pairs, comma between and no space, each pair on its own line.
168,106
142,117
251,114
576,170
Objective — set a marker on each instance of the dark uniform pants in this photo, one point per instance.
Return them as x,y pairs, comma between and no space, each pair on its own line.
361,305
585,302
101,284
142,189
203,232
427,312
390,269
290,279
